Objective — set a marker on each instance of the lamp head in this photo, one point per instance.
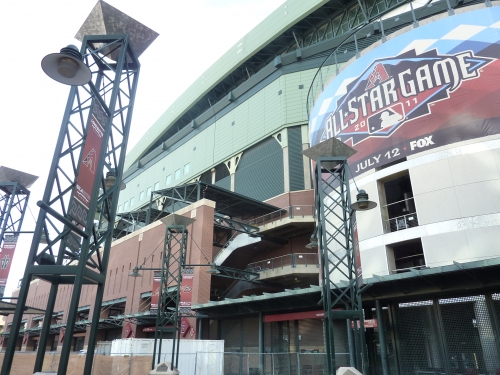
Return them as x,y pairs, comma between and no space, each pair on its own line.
110,179
362,202
213,269
67,67
43,239
313,244
46,259
135,272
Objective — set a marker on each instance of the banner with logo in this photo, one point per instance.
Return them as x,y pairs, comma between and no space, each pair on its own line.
357,253
155,293
431,86
88,165
186,288
6,256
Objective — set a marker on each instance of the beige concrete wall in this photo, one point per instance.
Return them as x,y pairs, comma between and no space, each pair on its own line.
456,190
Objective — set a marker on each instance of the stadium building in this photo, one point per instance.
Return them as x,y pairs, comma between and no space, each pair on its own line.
414,88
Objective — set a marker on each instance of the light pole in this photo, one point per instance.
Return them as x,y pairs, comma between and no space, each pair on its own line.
173,263
334,235
169,291
14,196
92,142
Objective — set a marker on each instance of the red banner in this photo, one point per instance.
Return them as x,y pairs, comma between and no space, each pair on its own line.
88,165
184,326
186,288
6,256
156,290
368,323
357,254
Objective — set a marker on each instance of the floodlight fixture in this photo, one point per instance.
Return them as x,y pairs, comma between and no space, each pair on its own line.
46,259
213,269
135,272
177,220
43,239
313,244
67,67
362,202
110,179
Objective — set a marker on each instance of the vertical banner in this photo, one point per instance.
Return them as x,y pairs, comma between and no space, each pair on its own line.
155,293
8,249
355,246
82,194
184,326
186,294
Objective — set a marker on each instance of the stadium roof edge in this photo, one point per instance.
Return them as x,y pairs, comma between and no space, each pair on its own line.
265,32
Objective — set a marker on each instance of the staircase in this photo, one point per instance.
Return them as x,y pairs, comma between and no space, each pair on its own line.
236,241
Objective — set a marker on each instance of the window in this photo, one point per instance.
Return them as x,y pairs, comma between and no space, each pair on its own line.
148,193
398,206
157,186
132,200
141,195
125,205
186,168
177,174
404,256
119,208
169,179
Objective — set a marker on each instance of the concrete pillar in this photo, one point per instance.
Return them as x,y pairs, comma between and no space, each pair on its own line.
231,165
199,251
282,138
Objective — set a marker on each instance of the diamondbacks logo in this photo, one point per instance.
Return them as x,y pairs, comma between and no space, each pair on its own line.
4,263
90,161
393,91
378,75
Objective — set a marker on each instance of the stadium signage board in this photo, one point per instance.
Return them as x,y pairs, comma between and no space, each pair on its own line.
429,87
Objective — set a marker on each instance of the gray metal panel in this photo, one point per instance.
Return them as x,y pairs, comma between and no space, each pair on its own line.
225,183
260,171
295,159
252,86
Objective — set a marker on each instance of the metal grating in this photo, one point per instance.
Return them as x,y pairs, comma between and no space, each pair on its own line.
418,339
469,337
225,183
295,159
266,161
221,172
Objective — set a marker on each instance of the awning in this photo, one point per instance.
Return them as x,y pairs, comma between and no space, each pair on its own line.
227,202
455,279
114,301
7,308
289,300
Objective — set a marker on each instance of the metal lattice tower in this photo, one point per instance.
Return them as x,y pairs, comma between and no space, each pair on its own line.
78,247
169,313
339,273
13,203
14,197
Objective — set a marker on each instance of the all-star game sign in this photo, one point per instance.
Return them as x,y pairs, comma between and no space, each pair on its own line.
429,87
